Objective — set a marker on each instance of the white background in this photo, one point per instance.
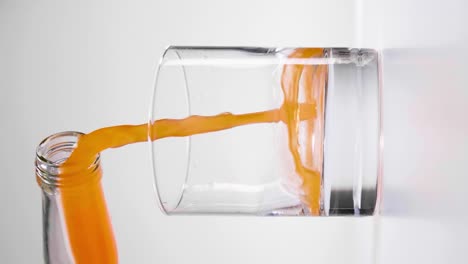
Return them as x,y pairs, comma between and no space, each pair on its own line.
81,65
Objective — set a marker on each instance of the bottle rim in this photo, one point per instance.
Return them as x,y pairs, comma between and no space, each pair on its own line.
52,152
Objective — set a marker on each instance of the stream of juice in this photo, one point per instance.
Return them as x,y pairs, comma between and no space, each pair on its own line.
85,214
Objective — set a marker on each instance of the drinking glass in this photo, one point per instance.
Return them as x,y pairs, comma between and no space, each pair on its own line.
250,169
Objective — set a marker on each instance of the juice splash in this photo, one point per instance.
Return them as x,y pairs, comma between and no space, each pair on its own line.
290,78
86,218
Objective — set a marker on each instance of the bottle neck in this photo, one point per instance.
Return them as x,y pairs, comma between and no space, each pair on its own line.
52,153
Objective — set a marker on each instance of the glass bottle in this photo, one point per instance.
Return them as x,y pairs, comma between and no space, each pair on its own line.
76,224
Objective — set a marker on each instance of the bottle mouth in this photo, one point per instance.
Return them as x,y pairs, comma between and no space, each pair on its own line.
52,152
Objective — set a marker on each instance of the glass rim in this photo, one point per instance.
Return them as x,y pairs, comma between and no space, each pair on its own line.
156,186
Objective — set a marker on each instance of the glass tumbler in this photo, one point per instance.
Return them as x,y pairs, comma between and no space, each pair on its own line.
300,136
